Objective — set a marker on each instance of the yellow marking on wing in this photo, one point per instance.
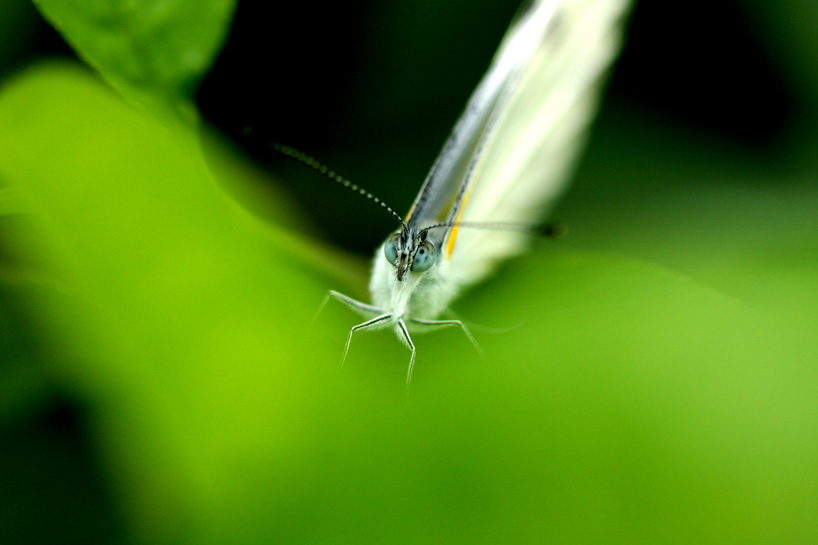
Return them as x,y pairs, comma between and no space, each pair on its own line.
450,245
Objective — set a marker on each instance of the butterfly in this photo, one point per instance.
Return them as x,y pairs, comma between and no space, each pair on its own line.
503,165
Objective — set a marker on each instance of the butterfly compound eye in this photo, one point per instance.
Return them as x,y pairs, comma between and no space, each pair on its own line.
390,249
424,257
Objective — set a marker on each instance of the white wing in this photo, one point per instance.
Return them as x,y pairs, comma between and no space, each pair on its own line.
550,68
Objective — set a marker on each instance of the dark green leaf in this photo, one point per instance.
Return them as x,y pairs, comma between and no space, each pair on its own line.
153,51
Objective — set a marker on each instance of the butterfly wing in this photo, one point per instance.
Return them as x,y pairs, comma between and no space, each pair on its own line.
444,186
540,94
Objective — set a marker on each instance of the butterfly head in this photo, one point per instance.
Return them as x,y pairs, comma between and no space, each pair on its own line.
409,250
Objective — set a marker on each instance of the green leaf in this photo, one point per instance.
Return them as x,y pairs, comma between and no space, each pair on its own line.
154,52
626,404
9,202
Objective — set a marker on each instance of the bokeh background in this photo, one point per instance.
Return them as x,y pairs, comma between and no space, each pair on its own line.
651,377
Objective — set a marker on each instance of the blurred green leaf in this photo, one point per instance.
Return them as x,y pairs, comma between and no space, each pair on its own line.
167,281
628,405
16,29
155,52
9,202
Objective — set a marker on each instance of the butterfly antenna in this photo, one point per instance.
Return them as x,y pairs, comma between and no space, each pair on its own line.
305,159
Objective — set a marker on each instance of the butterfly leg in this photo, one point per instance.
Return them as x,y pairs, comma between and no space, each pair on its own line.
405,332
450,323
374,323
361,308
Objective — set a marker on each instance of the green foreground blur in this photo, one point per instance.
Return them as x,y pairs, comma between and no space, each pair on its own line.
626,403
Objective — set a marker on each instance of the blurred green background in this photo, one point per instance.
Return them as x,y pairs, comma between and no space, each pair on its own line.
651,378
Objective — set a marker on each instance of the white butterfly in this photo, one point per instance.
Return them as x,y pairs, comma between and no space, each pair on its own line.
503,165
